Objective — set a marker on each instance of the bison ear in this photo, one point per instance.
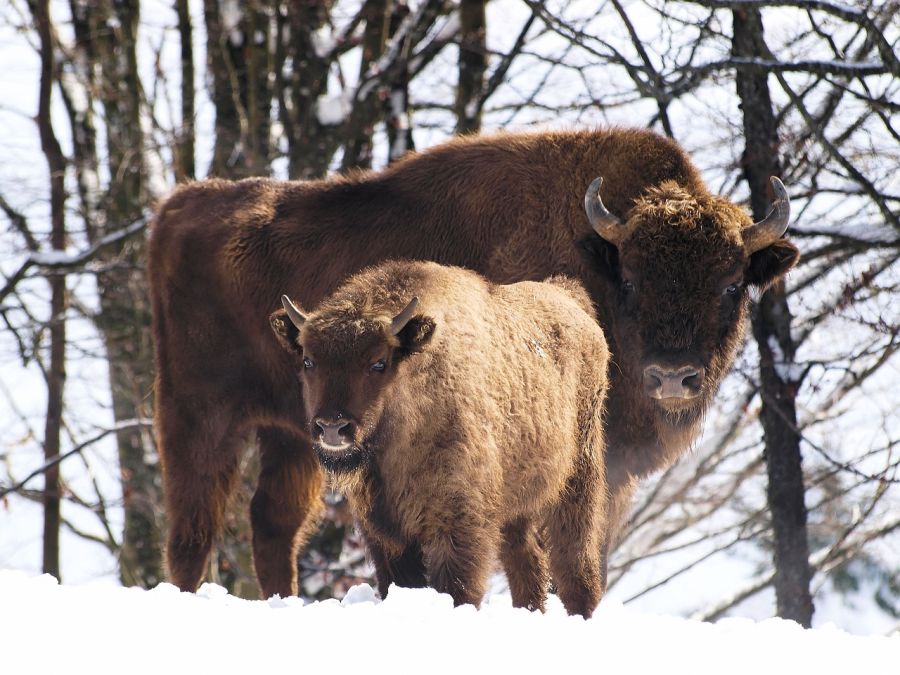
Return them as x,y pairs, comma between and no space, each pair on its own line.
415,335
285,331
767,264
600,256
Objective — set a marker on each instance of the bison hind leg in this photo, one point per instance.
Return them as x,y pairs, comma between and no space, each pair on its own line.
525,564
285,508
200,468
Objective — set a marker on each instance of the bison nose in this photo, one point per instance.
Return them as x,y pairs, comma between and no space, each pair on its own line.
331,430
667,382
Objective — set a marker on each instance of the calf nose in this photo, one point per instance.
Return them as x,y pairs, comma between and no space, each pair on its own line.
667,382
331,430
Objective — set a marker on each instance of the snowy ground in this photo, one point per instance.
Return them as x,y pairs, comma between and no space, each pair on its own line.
48,628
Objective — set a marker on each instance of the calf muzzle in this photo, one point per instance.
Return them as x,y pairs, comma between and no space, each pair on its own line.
335,432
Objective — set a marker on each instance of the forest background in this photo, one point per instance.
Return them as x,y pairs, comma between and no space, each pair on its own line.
791,499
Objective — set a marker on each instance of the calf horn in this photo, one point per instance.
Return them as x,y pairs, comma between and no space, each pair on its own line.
399,322
293,313
608,226
764,233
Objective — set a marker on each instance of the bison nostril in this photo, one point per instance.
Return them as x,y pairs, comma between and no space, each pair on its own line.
653,380
324,424
691,380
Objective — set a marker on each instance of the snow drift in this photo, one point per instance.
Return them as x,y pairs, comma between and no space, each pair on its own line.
49,628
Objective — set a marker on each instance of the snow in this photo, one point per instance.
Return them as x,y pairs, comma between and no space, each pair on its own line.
401,121
332,110
324,41
51,258
231,17
787,370
702,123
50,628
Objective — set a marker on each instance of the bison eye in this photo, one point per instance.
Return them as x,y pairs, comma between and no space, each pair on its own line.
731,289
378,366
307,363
627,285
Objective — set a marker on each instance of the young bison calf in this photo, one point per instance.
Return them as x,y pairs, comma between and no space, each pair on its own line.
462,419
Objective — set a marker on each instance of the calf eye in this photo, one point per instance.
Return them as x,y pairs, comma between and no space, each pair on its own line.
307,363
378,366
731,289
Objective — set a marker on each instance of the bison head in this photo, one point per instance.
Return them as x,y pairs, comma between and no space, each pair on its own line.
675,277
347,360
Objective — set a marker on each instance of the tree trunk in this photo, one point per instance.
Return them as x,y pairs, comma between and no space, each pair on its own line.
472,66
772,330
397,113
239,60
184,162
361,126
310,144
124,319
56,372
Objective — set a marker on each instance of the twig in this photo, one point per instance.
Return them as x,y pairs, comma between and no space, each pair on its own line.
120,426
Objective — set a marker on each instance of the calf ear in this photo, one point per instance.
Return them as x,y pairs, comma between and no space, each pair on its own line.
415,335
599,255
285,331
767,264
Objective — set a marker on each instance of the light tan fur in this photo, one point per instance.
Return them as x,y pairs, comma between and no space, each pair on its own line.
487,435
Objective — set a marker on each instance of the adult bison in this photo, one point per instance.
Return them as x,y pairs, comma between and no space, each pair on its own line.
462,426
667,264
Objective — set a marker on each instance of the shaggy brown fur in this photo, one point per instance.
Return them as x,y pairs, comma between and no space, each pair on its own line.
466,433
508,206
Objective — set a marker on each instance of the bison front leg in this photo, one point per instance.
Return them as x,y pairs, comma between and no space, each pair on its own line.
620,495
525,564
285,509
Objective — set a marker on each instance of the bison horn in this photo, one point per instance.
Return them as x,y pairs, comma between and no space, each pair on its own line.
605,224
764,233
294,314
399,322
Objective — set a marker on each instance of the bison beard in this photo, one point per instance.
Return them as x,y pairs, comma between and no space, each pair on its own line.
658,259
347,461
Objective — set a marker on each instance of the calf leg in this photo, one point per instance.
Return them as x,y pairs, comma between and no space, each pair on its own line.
285,508
458,559
199,458
525,564
406,569
575,529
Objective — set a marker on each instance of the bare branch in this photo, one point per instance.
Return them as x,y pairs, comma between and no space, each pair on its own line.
845,12
119,426
822,559
20,223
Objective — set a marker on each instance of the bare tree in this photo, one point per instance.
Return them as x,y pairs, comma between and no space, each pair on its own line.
772,330
56,372
472,65
301,89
